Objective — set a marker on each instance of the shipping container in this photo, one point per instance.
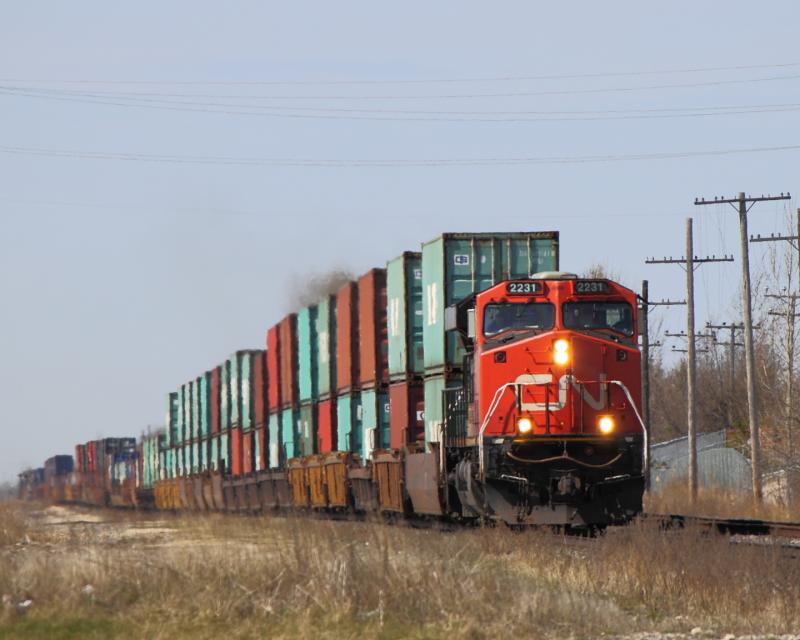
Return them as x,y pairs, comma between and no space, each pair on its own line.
216,381
434,409
347,358
326,347
172,419
374,421
188,462
195,384
306,429
456,265
307,354
326,425
260,407
225,452
348,418
213,453
288,360
372,331
203,464
181,417
273,368
236,451
235,388
205,404
407,415
247,452
404,316
260,451
275,440
225,395
195,447
187,413
58,466
289,437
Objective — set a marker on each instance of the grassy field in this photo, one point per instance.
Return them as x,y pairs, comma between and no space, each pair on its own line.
71,573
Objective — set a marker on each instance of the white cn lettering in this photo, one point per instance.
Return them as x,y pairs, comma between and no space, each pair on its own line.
432,309
598,404
394,317
324,348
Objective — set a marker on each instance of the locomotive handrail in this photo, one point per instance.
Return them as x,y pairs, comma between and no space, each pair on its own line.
498,394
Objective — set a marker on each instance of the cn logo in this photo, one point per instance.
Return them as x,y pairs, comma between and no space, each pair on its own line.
598,404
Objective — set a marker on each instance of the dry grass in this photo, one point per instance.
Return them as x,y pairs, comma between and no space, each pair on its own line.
718,503
237,577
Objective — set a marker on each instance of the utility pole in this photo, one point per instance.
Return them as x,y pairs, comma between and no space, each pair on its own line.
740,204
644,330
688,264
732,344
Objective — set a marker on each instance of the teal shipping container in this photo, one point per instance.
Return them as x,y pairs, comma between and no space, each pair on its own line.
326,347
187,413
178,453
205,404
188,460
225,395
307,354
195,448
289,427
196,408
274,428
307,430
203,455
456,265
374,421
434,408
181,417
234,388
213,453
349,420
241,392
172,419
225,452
164,469
404,315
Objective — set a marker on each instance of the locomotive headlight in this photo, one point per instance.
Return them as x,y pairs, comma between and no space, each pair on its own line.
561,355
606,424
524,425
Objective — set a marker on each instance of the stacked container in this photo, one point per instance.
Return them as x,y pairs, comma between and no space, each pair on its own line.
260,410
455,266
405,351
274,396
348,409
325,355
307,378
290,414
373,370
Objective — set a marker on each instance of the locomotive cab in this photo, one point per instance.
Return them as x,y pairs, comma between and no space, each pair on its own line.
553,384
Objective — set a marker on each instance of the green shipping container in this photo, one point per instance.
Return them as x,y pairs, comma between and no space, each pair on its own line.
349,420
404,315
203,466
289,426
307,430
240,388
205,404
181,417
307,354
234,388
214,453
196,408
172,419
326,346
274,427
374,422
434,409
456,265
224,452
188,460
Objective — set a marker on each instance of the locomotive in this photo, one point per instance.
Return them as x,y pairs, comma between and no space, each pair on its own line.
546,428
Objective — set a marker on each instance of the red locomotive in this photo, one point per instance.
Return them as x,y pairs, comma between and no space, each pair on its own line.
546,429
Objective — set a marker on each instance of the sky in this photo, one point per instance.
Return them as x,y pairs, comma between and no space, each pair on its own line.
169,172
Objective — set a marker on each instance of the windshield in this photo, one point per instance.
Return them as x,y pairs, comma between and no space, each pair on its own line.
616,316
509,316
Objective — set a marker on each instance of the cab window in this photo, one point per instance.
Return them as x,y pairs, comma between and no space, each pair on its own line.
616,316
517,316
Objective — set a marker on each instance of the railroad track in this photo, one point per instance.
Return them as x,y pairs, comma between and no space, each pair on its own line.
729,526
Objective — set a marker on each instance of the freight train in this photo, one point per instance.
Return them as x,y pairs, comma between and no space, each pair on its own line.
473,381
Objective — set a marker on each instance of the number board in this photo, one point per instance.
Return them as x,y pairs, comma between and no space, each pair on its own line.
528,288
591,286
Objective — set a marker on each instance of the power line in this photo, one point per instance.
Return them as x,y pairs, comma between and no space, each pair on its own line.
301,162
509,78
549,92
409,115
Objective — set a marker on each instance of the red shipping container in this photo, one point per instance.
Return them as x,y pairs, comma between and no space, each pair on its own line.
326,425
273,368
247,452
236,452
347,337
261,441
373,335
216,374
406,413
259,388
288,359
